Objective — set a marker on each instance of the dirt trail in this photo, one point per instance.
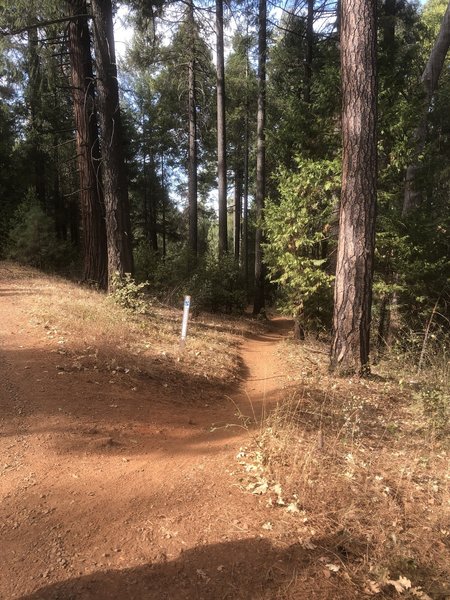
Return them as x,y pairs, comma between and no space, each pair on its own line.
111,493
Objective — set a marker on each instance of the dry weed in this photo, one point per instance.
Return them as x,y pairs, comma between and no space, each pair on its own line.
363,476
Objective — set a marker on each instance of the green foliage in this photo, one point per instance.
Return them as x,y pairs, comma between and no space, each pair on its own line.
146,261
33,240
241,90
298,231
217,285
297,125
129,294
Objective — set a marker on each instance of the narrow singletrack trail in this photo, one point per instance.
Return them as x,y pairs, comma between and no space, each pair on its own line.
262,384
108,494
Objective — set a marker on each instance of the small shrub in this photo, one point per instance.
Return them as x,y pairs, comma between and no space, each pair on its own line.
214,284
129,294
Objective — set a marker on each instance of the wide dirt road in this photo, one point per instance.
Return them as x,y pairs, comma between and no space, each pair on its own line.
109,492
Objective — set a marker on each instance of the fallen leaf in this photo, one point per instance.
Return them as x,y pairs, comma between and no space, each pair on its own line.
372,588
401,584
419,593
261,488
277,489
307,543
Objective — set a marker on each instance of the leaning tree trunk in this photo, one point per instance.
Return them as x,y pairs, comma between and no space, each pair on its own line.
354,273
309,50
192,146
91,202
259,299
114,177
221,133
430,79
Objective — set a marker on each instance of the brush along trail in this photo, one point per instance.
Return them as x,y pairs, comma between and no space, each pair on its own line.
116,483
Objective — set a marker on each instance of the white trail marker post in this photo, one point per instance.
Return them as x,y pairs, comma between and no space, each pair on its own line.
187,304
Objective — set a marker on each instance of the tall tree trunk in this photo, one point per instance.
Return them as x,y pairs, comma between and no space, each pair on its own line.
163,208
221,133
390,13
192,148
114,177
237,207
354,273
384,324
259,300
309,50
245,241
91,201
338,19
35,101
430,80
245,247
150,211
58,199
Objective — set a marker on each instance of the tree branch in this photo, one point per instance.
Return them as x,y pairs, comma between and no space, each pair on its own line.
30,26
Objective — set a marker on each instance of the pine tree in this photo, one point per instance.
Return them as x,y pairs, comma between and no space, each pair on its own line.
354,272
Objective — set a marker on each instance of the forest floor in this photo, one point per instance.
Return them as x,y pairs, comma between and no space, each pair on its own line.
131,470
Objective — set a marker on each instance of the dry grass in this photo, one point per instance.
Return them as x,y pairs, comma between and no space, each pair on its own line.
363,473
91,331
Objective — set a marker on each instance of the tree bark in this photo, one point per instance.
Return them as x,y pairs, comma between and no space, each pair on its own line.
309,50
384,325
354,273
35,102
390,13
149,205
259,299
430,80
221,133
245,244
114,177
237,207
192,148
91,201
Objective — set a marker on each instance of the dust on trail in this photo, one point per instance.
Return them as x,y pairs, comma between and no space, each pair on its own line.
106,492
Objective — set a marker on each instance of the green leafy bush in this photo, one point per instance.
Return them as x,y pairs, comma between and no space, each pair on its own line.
129,294
214,284
298,239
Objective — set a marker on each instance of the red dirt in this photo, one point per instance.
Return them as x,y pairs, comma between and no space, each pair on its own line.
111,493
